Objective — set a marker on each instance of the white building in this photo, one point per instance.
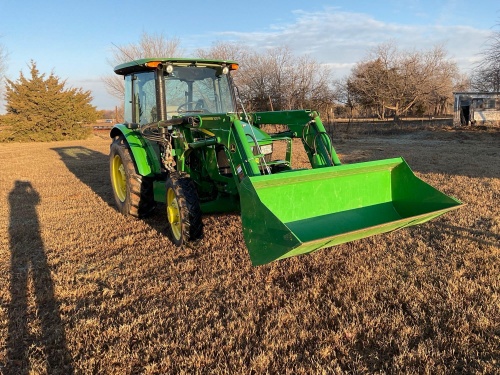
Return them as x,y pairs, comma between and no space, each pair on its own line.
476,108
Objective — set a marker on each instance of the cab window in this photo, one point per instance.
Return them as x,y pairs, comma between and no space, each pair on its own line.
144,93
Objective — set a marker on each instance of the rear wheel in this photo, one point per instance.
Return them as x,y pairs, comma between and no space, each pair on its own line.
183,209
133,193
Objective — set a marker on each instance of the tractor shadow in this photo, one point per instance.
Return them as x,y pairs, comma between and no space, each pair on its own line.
89,166
92,168
32,299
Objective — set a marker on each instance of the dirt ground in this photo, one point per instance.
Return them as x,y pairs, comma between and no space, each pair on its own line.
86,290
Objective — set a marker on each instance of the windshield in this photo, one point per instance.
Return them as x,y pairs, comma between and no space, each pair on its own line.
197,90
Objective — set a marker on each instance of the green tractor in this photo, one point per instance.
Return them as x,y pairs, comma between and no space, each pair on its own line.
185,144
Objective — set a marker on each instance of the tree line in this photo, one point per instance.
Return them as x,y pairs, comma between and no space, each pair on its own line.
388,82
396,82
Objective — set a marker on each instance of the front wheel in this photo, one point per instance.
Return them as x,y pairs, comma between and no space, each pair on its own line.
183,209
133,193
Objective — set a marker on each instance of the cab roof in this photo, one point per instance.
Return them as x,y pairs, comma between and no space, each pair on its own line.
150,63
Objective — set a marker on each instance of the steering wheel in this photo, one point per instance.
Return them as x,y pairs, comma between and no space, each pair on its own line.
199,106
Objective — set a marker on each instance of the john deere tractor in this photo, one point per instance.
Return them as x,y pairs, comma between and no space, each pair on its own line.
186,143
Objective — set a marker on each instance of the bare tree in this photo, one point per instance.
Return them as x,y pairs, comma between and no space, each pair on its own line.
397,81
224,51
156,45
443,77
486,79
366,86
254,81
278,80
228,51
486,75
344,97
310,85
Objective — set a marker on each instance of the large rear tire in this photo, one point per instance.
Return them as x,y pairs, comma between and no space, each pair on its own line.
133,193
183,209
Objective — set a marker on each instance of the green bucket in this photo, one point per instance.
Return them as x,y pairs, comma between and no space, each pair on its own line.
301,211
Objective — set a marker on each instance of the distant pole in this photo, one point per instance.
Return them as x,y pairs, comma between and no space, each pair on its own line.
270,102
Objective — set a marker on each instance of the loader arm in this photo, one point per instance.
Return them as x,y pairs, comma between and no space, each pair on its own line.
306,125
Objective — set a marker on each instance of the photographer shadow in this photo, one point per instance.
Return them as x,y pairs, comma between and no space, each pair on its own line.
32,300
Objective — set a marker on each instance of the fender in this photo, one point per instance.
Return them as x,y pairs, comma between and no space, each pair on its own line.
144,155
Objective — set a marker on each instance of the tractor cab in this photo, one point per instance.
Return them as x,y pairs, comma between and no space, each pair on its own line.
164,89
192,90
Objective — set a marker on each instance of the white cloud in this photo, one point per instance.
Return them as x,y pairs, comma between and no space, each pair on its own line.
340,39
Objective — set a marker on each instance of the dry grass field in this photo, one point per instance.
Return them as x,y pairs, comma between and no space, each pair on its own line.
86,290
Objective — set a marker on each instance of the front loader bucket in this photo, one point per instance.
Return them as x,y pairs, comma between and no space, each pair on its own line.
298,212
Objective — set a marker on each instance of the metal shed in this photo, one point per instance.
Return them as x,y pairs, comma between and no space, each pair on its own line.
476,108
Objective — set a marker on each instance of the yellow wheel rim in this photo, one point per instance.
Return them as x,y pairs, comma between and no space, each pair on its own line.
173,214
119,178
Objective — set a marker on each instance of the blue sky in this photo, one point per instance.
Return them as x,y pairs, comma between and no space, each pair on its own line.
74,39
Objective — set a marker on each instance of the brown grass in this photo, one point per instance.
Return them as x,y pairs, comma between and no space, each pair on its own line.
86,290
